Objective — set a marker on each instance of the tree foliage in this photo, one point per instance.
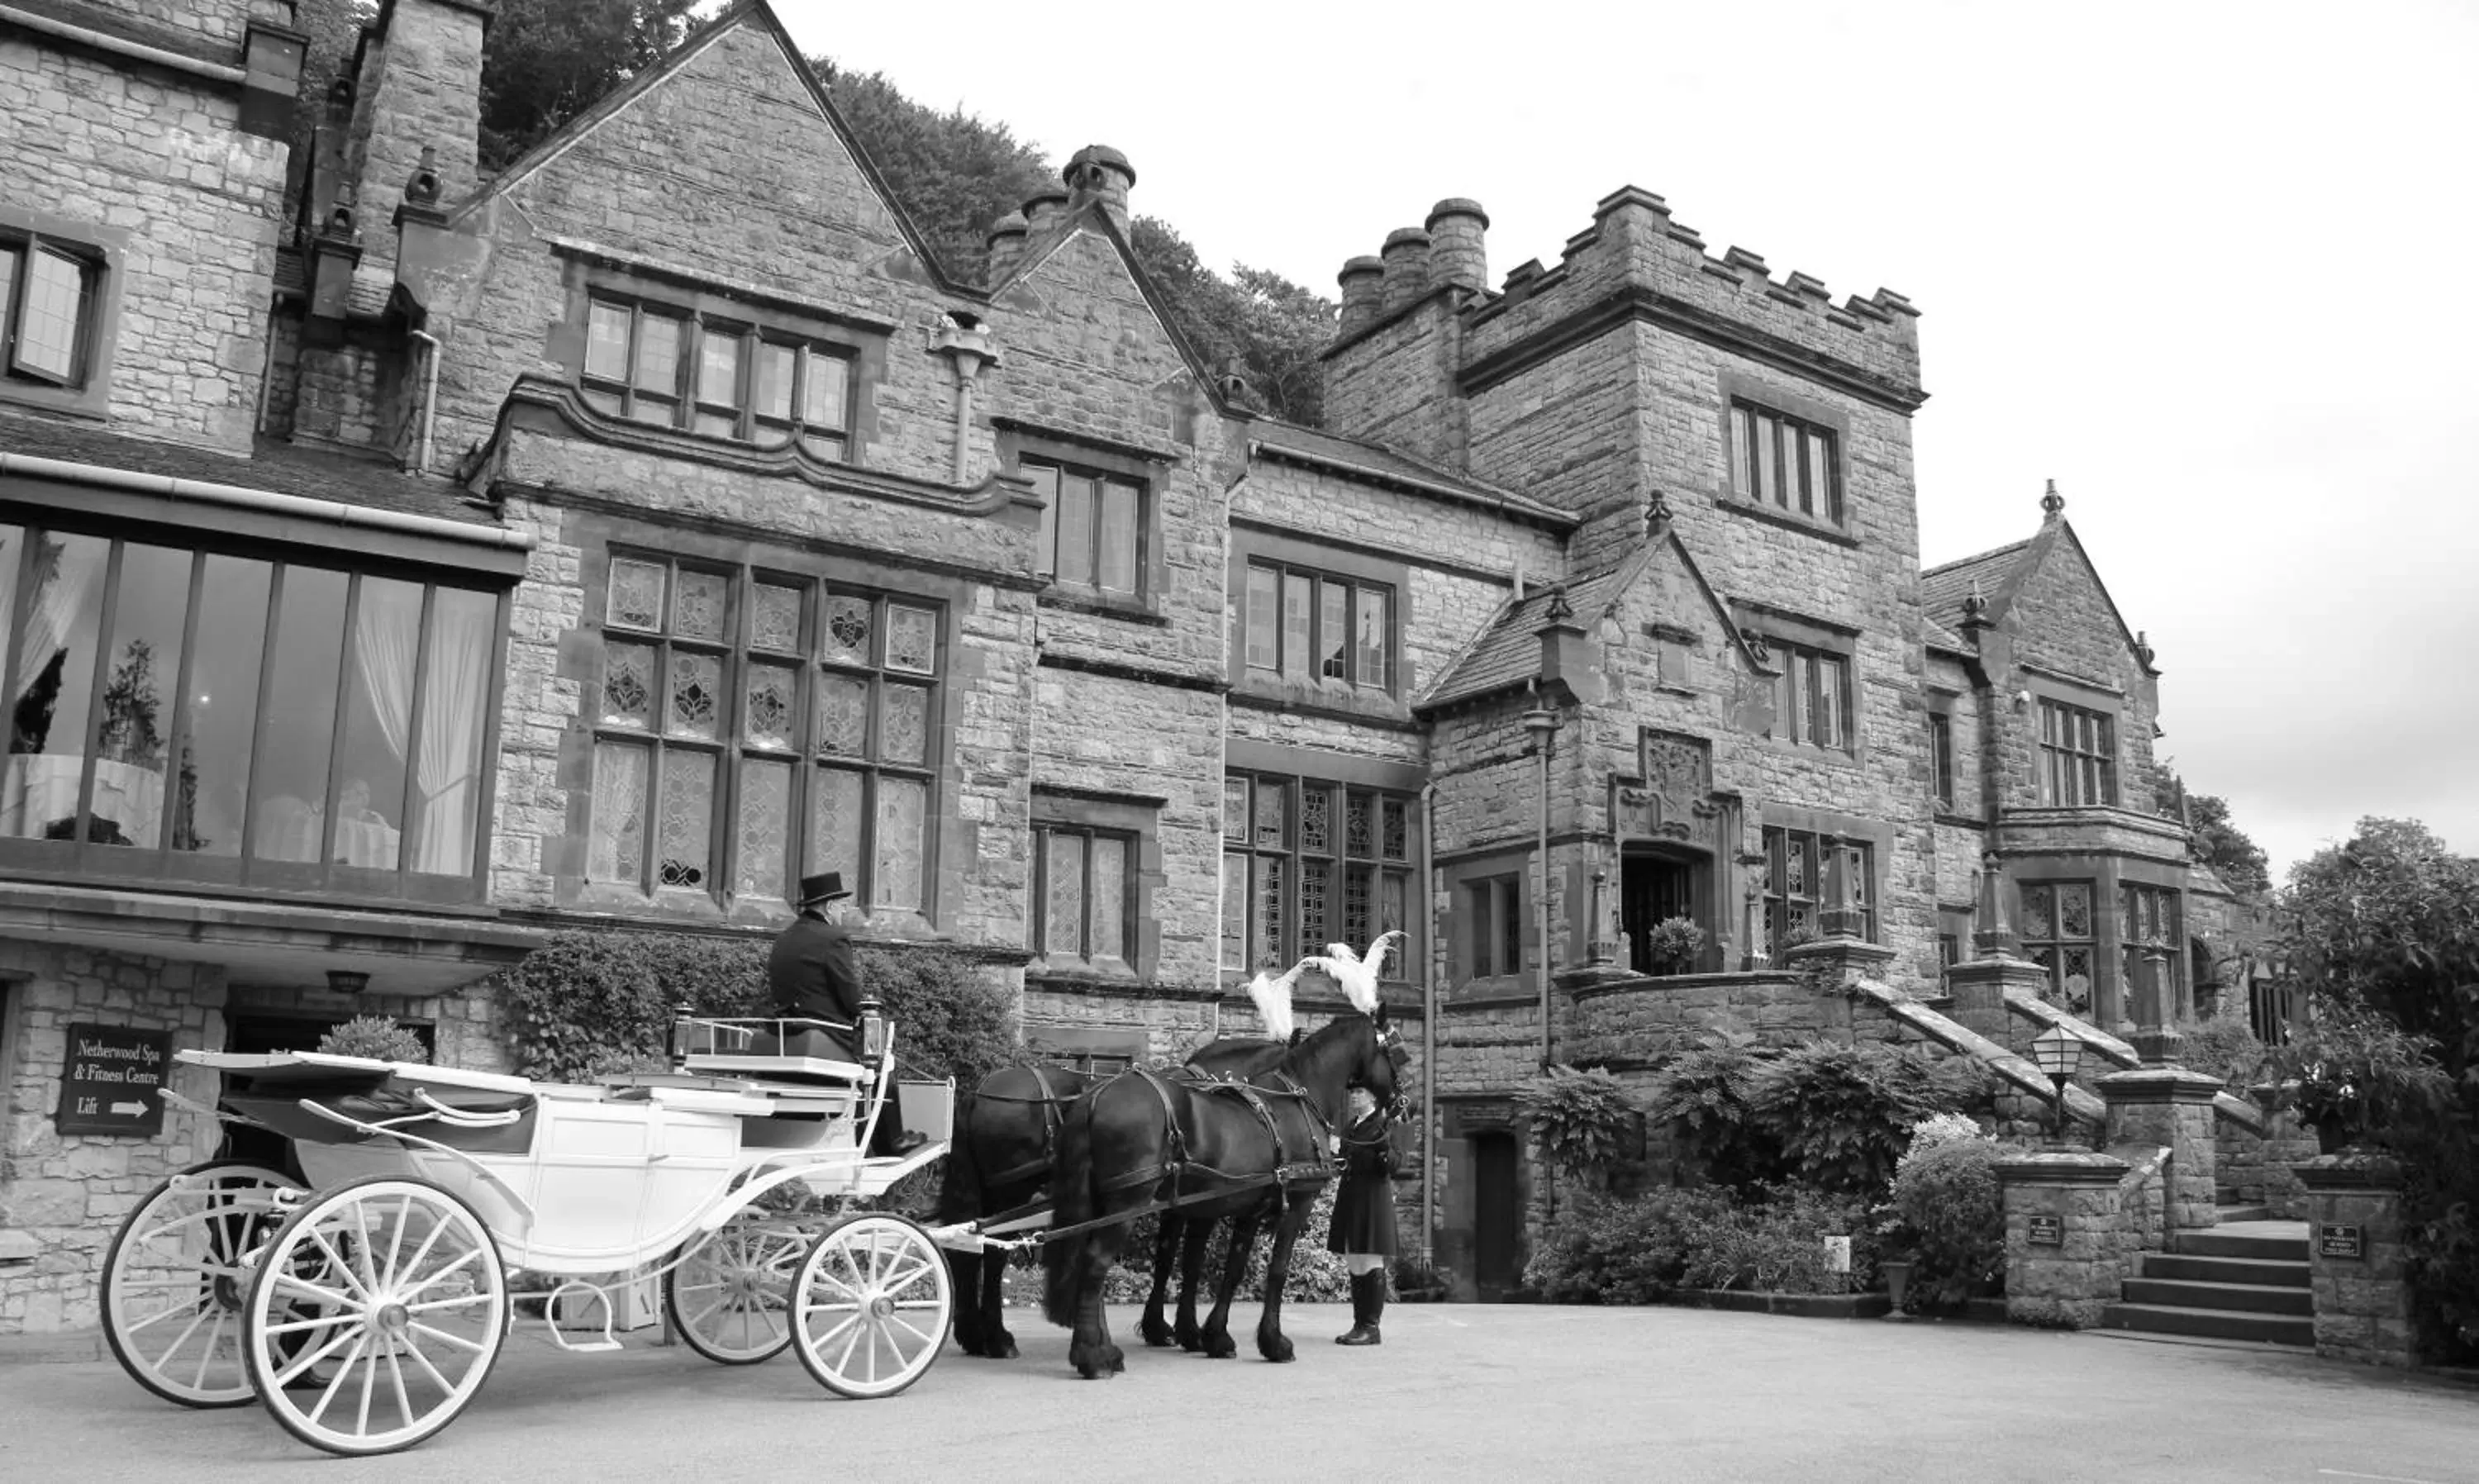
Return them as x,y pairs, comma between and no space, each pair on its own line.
953,174
2384,930
2237,860
545,60
1270,326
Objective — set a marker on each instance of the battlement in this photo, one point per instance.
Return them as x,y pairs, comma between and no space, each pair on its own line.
1637,260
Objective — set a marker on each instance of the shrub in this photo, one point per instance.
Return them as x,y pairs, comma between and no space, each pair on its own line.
1952,1221
590,1002
377,1037
1672,944
2224,1046
1580,1120
1778,1244
2354,1071
1699,1096
1602,1251
1842,1115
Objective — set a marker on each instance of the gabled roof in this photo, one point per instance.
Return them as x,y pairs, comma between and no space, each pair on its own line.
1367,459
1942,589
1091,215
1507,652
743,13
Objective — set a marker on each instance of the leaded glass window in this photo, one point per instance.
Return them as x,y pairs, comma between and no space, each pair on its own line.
1081,891
1799,864
2148,924
659,364
2057,935
709,708
1296,879
1307,624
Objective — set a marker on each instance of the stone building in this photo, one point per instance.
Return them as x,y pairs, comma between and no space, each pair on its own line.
402,562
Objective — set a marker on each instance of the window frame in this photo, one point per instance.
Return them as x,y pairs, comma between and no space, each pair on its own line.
736,746
1033,465
1801,693
1299,926
1045,831
1941,769
1495,922
684,400
2053,949
1786,910
2067,768
101,253
1753,461
324,877
1318,582
2168,914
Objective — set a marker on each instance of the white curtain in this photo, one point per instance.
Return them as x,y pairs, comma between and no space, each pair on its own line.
448,768
60,589
386,635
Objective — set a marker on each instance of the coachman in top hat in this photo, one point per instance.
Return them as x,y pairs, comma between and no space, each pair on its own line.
813,974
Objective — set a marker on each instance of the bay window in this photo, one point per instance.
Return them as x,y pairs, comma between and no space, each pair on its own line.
245,719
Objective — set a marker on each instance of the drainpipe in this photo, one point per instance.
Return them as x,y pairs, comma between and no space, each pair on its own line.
969,348
430,398
1430,1028
1543,723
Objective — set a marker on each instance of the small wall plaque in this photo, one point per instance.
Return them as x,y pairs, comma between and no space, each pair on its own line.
2047,1231
2336,1240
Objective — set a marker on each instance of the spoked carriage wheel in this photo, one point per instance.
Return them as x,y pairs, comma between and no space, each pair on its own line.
176,1277
730,1298
377,1313
871,1305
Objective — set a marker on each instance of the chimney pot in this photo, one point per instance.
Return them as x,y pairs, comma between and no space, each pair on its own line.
1363,293
1458,249
1406,261
1043,211
1099,173
1006,243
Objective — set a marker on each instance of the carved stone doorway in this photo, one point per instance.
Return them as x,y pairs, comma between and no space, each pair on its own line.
1655,886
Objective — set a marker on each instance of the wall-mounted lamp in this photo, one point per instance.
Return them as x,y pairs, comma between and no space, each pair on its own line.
2022,701
347,982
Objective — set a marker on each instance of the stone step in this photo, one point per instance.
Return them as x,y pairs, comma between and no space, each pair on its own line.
2210,1323
2247,1297
2197,1267
2206,1243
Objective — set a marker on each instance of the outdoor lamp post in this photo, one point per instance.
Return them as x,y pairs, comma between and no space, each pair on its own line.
2058,1052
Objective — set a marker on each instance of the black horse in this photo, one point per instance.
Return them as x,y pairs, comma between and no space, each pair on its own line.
1000,1158
1143,1137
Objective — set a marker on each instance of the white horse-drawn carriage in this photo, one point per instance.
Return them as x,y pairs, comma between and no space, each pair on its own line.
365,1303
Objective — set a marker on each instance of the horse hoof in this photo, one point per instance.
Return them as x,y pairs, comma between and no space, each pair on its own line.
1220,1347
1118,1359
1005,1349
1158,1336
1191,1338
1278,1349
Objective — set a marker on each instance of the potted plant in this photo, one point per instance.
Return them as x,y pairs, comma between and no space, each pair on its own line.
1672,944
2352,1073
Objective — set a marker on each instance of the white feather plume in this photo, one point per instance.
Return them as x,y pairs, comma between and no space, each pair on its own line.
1273,997
1358,976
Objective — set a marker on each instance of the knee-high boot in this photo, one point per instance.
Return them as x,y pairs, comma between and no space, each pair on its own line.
1367,1307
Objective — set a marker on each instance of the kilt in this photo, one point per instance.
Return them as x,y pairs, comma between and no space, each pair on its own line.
1363,1202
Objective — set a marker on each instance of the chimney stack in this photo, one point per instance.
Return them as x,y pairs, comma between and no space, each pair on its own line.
1044,211
1406,261
1363,293
1099,173
420,93
1458,254
1006,243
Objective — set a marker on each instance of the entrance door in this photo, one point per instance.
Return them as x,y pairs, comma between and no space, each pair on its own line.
1652,888
1497,1215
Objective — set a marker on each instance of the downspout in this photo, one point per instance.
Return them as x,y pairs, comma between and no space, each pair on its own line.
1429,1029
970,350
430,398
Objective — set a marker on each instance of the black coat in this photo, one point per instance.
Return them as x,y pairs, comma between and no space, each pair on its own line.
812,973
1363,1202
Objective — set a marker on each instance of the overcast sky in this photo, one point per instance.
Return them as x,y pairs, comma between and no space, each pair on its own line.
2213,268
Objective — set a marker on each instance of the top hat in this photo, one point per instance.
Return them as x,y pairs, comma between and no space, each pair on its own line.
825,886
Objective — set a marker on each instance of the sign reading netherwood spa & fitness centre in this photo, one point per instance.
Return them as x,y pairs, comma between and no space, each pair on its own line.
113,1080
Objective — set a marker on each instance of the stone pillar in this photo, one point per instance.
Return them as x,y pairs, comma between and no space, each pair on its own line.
1828,966
1979,987
2065,1253
2355,1259
2169,1106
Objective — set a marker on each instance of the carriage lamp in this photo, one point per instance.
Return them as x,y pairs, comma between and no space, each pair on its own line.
682,1030
347,982
2057,1051
873,1031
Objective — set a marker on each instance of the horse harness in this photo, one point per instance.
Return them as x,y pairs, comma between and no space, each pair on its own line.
1052,1119
1317,1164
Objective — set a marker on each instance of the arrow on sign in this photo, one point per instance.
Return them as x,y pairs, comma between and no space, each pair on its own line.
129,1110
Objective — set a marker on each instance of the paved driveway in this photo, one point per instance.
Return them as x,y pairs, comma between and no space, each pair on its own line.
1455,1393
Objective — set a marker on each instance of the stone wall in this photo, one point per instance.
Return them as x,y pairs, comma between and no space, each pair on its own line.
153,167
68,1193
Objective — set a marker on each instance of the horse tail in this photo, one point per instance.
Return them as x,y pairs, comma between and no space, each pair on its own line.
959,1192
1071,1203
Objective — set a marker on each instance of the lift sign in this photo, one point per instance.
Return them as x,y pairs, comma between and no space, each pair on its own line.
111,1080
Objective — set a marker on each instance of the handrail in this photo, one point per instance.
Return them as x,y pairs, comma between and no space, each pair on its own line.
2227,1105
2014,1068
